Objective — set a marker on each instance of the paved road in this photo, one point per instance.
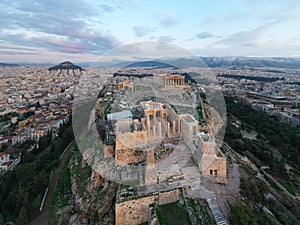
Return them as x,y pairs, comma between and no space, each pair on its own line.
43,217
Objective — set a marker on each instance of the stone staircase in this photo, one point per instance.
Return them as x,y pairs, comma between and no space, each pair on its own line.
217,211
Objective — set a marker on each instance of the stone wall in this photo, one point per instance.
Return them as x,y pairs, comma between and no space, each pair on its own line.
131,140
125,156
168,197
170,114
134,212
137,211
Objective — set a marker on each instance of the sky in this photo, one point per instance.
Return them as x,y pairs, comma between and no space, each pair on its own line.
82,30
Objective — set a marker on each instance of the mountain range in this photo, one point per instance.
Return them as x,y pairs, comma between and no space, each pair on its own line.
291,63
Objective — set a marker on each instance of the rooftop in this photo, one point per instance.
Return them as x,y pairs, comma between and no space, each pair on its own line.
2,154
6,163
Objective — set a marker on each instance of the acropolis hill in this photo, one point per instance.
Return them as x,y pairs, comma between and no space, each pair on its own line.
169,145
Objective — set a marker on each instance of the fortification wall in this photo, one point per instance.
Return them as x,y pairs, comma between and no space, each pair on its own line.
168,197
137,211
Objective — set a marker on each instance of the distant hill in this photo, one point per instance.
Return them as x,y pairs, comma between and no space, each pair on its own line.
8,64
156,64
292,63
65,66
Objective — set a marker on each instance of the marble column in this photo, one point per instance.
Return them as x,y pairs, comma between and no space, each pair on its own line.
148,125
174,127
159,129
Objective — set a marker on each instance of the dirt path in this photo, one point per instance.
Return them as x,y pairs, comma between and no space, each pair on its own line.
43,217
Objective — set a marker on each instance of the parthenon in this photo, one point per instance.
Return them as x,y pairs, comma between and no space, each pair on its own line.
174,81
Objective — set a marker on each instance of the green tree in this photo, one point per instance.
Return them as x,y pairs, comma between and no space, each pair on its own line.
242,214
3,148
23,217
58,145
38,105
1,220
62,187
36,205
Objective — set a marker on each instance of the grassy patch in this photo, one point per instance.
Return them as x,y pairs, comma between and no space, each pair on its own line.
81,175
62,193
242,214
273,185
288,187
199,210
173,214
186,109
130,183
141,88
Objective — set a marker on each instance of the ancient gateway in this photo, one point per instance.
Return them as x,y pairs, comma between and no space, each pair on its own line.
171,150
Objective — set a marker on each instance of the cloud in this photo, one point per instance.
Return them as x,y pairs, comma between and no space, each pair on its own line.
166,19
66,45
148,50
133,4
67,8
107,8
141,31
65,41
250,37
57,26
252,42
280,49
204,35
166,38
11,52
